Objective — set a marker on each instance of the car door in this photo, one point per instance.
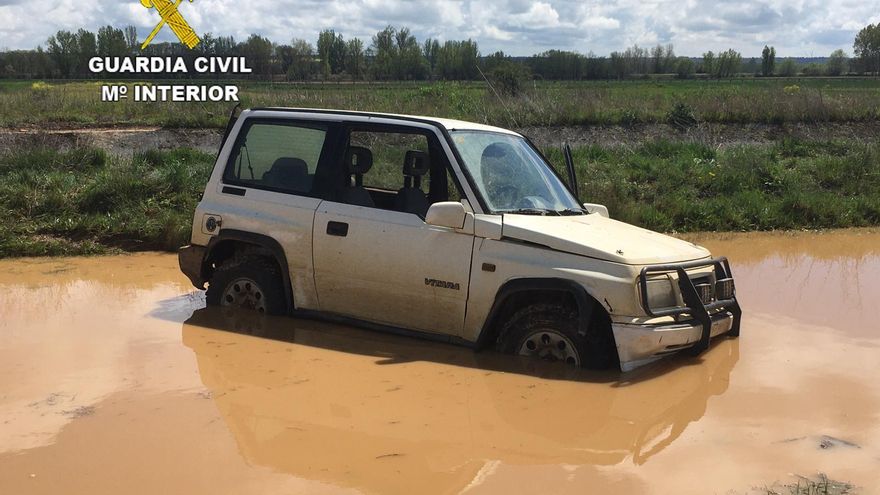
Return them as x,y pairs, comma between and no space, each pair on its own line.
271,186
377,263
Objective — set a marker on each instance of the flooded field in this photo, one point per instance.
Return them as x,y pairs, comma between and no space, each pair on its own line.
114,379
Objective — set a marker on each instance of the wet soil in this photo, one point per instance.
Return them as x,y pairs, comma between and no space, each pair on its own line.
125,140
114,379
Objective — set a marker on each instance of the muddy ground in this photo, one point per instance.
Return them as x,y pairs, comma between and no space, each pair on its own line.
116,140
115,379
125,140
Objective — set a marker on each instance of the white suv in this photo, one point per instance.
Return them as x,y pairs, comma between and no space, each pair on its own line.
445,229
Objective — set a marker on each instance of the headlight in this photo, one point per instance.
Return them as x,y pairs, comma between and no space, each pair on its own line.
661,294
724,289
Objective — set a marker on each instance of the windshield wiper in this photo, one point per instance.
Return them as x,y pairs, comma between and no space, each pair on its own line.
532,211
571,211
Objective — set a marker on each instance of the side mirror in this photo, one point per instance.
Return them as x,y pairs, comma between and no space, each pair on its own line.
602,210
446,214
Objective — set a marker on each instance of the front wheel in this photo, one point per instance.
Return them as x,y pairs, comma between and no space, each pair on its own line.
250,283
550,332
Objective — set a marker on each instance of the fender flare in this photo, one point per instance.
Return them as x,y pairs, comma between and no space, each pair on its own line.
263,241
585,302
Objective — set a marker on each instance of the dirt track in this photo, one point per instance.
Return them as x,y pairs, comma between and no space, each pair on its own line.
124,140
116,140
114,380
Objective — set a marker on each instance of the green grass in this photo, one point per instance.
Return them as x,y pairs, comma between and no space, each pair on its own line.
84,201
540,104
686,187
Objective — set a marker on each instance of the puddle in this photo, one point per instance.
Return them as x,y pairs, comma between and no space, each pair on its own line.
114,379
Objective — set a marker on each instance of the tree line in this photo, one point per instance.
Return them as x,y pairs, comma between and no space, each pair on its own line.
395,54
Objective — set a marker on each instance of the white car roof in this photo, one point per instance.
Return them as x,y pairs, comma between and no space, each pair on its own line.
448,124
461,125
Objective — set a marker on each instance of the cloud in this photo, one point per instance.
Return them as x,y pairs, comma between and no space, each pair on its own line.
600,22
493,33
519,27
540,15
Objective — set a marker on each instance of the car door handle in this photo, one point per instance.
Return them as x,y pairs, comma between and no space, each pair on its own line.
234,190
337,228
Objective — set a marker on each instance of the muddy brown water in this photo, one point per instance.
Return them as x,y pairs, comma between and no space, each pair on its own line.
113,379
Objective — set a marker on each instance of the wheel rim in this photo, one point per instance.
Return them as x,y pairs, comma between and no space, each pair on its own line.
244,293
550,345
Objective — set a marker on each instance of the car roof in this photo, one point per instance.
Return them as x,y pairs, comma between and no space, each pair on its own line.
448,124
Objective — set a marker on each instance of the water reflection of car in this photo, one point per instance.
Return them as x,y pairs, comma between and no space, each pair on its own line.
302,399
445,229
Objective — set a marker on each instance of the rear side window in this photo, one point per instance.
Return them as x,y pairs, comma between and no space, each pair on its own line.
276,156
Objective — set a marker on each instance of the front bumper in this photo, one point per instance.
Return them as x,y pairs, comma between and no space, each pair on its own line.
640,344
710,311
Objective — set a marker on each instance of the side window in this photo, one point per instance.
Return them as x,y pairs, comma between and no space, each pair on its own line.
407,173
277,156
452,192
389,151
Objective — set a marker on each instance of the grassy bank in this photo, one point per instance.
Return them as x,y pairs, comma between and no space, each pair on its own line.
773,101
84,201
689,187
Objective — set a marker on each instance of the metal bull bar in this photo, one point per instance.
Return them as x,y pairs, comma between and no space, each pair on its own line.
696,306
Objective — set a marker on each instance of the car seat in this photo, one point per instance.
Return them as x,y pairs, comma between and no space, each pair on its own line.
289,173
358,161
411,198
499,167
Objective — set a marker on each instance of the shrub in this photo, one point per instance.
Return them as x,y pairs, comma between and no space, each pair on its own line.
508,77
629,118
788,68
685,68
814,70
681,116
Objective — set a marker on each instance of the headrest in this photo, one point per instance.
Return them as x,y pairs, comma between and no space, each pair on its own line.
358,160
498,150
416,163
287,166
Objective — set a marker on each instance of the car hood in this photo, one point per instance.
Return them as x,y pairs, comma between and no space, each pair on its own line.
602,238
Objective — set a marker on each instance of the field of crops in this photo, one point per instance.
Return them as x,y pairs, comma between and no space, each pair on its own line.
747,100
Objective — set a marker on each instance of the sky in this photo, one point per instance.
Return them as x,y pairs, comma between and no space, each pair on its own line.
518,27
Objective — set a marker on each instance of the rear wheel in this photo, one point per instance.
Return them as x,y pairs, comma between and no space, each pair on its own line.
250,283
550,332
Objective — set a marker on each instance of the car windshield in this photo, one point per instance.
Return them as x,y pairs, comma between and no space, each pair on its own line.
511,176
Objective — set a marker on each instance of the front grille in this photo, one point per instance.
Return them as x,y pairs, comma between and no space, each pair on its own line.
704,291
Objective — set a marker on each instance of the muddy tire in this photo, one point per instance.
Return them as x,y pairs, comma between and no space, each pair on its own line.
248,283
550,332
